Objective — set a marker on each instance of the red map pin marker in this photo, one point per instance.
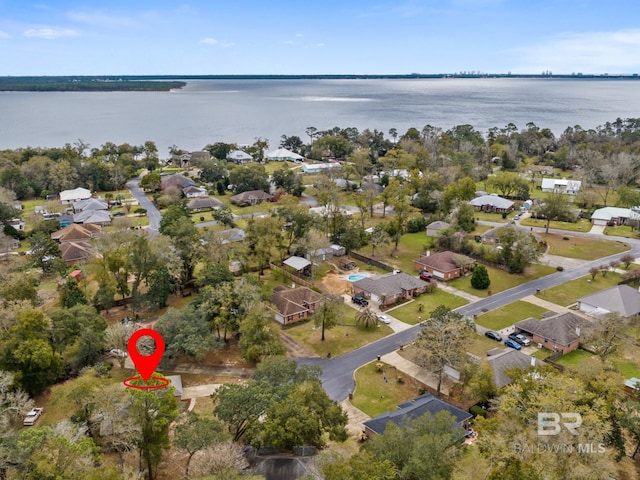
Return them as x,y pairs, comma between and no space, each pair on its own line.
146,364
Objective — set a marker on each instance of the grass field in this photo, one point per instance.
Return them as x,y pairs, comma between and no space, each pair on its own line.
502,280
493,217
424,304
506,316
582,247
480,344
574,358
582,225
622,231
627,369
341,339
375,396
567,293
410,246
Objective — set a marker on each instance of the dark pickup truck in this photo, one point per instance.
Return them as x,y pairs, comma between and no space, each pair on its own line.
360,301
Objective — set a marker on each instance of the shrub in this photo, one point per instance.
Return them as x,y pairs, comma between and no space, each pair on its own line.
560,268
416,224
478,411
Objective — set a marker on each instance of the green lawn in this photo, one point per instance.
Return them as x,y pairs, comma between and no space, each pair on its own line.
509,314
375,396
574,358
622,231
493,217
627,369
480,344
567,293
502,280
410,246
582,247
341,339
424,304
582,225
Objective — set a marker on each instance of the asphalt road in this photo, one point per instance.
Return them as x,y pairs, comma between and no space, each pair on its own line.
337,376
153,214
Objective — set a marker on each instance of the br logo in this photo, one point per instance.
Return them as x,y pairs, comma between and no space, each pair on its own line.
550,423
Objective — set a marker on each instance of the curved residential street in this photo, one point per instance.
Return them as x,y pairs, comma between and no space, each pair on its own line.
153,214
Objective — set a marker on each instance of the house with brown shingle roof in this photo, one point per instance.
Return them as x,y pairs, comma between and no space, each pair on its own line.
77,232
75,252
294,304
252,197
204,203
444,265
560,333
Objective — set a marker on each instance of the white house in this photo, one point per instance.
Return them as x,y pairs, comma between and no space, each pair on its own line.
570,187
319,167
239,157
621,298
283,155
617,215
193,192
71,196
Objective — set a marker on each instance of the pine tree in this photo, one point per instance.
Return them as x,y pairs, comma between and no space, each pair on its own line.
480,279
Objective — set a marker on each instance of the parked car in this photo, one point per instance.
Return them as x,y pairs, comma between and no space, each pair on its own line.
513,344
384,319
360,301
32,417
426,276
493,335
521,339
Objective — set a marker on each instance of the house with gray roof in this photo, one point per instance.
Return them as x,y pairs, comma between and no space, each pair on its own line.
560,333
231,235
98,217
90,204
507,359
239,157
621,299
434,229
613,215
203,203
491,203
298,264
389,288
413,409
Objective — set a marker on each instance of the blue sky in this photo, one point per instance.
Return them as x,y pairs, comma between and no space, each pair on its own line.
323,36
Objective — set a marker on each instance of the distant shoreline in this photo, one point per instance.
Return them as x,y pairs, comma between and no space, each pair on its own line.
156,83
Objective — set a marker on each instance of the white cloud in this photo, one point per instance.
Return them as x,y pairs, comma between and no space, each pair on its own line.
289,42
50,33
213,41
100,18
587,52
319,44
4,34
299,35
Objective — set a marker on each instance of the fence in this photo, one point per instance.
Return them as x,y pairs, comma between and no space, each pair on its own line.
293,276
371,261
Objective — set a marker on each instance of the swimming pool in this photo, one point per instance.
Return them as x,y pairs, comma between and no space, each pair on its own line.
356,277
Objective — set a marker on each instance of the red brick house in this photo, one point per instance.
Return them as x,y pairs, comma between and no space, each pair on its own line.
560,333
444,265
294,304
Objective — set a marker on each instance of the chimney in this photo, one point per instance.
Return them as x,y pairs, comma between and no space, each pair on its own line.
429,253
578,331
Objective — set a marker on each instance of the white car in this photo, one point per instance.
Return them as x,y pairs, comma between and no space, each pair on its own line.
384,319
116,352
32,417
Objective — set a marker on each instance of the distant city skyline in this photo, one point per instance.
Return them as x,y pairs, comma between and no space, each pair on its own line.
60,37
